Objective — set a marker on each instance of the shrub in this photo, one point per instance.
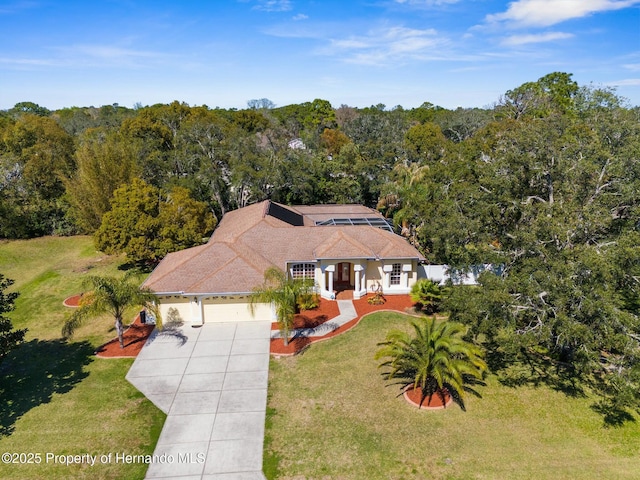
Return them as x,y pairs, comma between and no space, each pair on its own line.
427,294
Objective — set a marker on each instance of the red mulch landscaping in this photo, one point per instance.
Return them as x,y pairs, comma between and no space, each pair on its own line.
326,310
399,303
134,339
414,395
73,301
136,335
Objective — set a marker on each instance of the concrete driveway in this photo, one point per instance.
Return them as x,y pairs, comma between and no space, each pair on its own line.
211,382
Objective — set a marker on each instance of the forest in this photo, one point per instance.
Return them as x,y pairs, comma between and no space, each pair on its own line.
545,183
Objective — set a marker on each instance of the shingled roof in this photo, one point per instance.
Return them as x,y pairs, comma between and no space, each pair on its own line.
251,239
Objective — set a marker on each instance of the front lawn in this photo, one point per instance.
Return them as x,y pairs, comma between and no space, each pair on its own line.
331,416
55,396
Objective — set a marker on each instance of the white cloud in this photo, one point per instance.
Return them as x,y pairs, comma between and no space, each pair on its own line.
627,82
110,56
634,67
27,62
543,13
108,52
516,40
99,56
300,16
273,5
385,46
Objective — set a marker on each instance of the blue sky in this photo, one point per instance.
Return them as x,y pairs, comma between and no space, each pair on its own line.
62,53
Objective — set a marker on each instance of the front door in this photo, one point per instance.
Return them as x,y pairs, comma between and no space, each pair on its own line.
344,272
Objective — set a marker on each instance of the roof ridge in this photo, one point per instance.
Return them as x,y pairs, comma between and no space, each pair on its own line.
232,235
340,235
193,251
249,258
215,271
357,243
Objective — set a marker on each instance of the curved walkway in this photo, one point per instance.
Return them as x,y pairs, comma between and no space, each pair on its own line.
347,313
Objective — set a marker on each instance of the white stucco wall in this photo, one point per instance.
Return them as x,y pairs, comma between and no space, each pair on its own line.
373,275
213,309
181,304
233,309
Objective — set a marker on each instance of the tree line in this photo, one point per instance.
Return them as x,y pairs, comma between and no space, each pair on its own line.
544,183
59,169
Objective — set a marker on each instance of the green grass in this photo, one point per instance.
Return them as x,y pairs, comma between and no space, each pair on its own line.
55,396
333,417
46,271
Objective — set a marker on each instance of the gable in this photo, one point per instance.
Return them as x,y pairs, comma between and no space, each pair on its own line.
250,240
340,245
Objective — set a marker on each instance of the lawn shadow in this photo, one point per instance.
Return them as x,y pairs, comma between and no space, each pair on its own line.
34,371
140,268
612,416
561,379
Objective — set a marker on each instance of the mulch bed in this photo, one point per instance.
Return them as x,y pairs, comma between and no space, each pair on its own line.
325,311
398,303
72,301
136,335
414,395
134,339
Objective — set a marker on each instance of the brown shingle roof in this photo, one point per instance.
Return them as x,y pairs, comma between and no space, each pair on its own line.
248,241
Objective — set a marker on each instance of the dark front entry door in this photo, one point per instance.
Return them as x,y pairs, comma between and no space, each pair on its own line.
344,272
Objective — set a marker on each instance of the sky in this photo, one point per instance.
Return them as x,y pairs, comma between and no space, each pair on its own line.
223,53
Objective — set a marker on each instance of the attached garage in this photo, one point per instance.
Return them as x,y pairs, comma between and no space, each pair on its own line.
198,310
349,246
175,305
233,309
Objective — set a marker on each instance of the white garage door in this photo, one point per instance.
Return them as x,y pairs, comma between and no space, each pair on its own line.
233,309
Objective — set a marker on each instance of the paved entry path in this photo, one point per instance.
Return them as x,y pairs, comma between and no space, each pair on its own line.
212,384
347,313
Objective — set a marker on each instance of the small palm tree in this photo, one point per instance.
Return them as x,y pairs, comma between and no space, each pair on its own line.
109,295
283,293
436,360
428,294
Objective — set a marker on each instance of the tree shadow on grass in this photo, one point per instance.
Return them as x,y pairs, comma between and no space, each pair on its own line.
140,268
564,380
34,371
612,415
536,372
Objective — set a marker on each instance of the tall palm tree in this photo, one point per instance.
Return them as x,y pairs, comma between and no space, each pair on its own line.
435,360
283,293
109,295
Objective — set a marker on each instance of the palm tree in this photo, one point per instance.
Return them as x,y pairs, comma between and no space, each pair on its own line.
436,360
283,293
109,295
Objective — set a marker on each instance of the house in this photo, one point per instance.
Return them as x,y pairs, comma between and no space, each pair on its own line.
297,144
348,248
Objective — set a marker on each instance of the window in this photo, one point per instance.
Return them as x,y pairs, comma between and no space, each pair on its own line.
396,270
303,270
